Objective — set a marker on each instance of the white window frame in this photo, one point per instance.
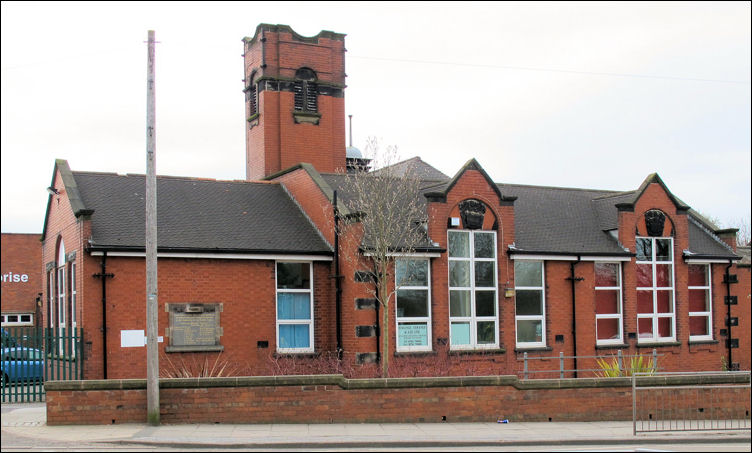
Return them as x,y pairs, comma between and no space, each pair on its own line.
413,320
19,321
655,316
308,322
473,319
709,295
73,293
620,315
61,296
541,317
51,291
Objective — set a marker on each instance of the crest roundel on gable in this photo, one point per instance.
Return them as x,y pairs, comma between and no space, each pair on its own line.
655,223
474,215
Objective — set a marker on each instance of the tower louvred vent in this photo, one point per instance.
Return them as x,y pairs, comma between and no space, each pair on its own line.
299,96
251,98
311,98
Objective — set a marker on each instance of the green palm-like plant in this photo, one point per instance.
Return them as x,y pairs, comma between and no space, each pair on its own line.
637,364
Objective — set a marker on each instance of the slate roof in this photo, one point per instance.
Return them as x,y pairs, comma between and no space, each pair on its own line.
416,167
560,220
197,215
556,220
704,244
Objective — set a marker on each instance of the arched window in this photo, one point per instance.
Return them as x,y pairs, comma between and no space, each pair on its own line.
61,307
306,91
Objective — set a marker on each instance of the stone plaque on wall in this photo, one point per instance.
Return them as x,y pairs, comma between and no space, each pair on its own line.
194,327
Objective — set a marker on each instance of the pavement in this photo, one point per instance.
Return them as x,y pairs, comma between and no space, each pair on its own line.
28,420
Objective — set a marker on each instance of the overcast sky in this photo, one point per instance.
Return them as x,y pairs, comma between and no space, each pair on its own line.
583,95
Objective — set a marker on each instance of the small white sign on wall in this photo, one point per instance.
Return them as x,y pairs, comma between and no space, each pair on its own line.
132,339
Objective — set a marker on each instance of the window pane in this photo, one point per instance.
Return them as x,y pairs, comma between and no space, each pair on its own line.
484,245
698,325
606,274
412,272
698,300
644,302
459,303
663,250
293,276
412,303
413,334
644,249
485,305
485,274
460,333
606,302
645,327
664,301
528,273
529,331
459,273
486,332
663,275
664,327
607,329
293,306
644,275
294,336
529,302
459,244
698,275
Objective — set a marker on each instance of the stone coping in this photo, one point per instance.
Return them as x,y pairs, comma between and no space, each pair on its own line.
397,383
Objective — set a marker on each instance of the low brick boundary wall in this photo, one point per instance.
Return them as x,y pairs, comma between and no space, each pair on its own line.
334,399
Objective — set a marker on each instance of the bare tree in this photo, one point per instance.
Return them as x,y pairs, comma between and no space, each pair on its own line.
392,213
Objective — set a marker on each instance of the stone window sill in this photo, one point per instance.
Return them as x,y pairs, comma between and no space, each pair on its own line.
306,117
216,348
477,351
658,345
611,346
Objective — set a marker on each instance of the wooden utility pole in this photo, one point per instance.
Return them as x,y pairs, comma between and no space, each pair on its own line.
152,358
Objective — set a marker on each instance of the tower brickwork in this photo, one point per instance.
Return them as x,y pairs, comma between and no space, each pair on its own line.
294,100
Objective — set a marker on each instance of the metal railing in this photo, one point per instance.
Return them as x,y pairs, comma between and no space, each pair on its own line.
690,407
33,355
604,366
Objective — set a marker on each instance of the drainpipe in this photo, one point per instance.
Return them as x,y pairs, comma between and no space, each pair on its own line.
337,279
104,276
574,280
728,315
378,319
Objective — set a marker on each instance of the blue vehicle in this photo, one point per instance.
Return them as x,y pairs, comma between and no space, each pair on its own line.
22,365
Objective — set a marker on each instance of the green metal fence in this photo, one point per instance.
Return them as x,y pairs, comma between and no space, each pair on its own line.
33,355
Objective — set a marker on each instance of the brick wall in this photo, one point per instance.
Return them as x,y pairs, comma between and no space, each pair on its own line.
333,399
743,292
22,273
245,288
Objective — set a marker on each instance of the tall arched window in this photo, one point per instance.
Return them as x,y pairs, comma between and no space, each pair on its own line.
61,307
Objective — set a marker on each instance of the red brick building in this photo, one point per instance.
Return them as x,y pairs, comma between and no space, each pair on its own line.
248,269
22,279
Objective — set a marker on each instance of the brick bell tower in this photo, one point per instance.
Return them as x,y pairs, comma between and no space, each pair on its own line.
294,100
